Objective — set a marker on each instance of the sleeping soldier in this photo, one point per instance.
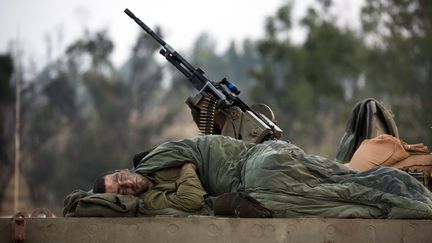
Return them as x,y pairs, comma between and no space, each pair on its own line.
278,174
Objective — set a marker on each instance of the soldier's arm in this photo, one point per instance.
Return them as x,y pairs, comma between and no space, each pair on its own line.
189,194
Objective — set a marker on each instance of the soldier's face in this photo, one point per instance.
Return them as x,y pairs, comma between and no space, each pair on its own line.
126,183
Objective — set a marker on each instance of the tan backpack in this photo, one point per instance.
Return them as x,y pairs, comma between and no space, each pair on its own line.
372,139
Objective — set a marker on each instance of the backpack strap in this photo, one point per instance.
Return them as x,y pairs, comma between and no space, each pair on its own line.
368,119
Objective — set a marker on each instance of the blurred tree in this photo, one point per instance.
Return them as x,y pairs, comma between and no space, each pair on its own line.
204,56
88,117
235,63
6,122
307,84
240,62
84,116
399,35
143,73
143,77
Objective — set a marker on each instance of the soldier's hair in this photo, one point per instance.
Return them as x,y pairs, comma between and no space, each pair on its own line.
99,183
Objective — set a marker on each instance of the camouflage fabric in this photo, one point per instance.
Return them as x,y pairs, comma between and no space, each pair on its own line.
292,183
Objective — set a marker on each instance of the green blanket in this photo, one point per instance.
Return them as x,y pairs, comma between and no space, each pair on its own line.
80,203
293,183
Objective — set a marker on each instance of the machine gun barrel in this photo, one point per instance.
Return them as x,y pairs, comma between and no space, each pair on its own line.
145,27
225,96
195,75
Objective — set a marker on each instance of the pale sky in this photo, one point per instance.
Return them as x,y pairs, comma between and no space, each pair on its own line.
61,22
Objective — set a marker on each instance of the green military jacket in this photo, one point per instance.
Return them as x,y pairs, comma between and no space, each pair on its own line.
175,188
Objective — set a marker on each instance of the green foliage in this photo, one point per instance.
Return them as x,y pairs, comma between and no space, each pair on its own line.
312,86
86,117
61,95
97,46
400,61
304,82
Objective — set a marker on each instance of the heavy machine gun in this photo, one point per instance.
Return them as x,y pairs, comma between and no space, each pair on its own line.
216,108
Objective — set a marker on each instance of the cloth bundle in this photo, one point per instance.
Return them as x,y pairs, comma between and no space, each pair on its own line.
387,150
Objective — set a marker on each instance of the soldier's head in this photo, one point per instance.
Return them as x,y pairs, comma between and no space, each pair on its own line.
122,182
